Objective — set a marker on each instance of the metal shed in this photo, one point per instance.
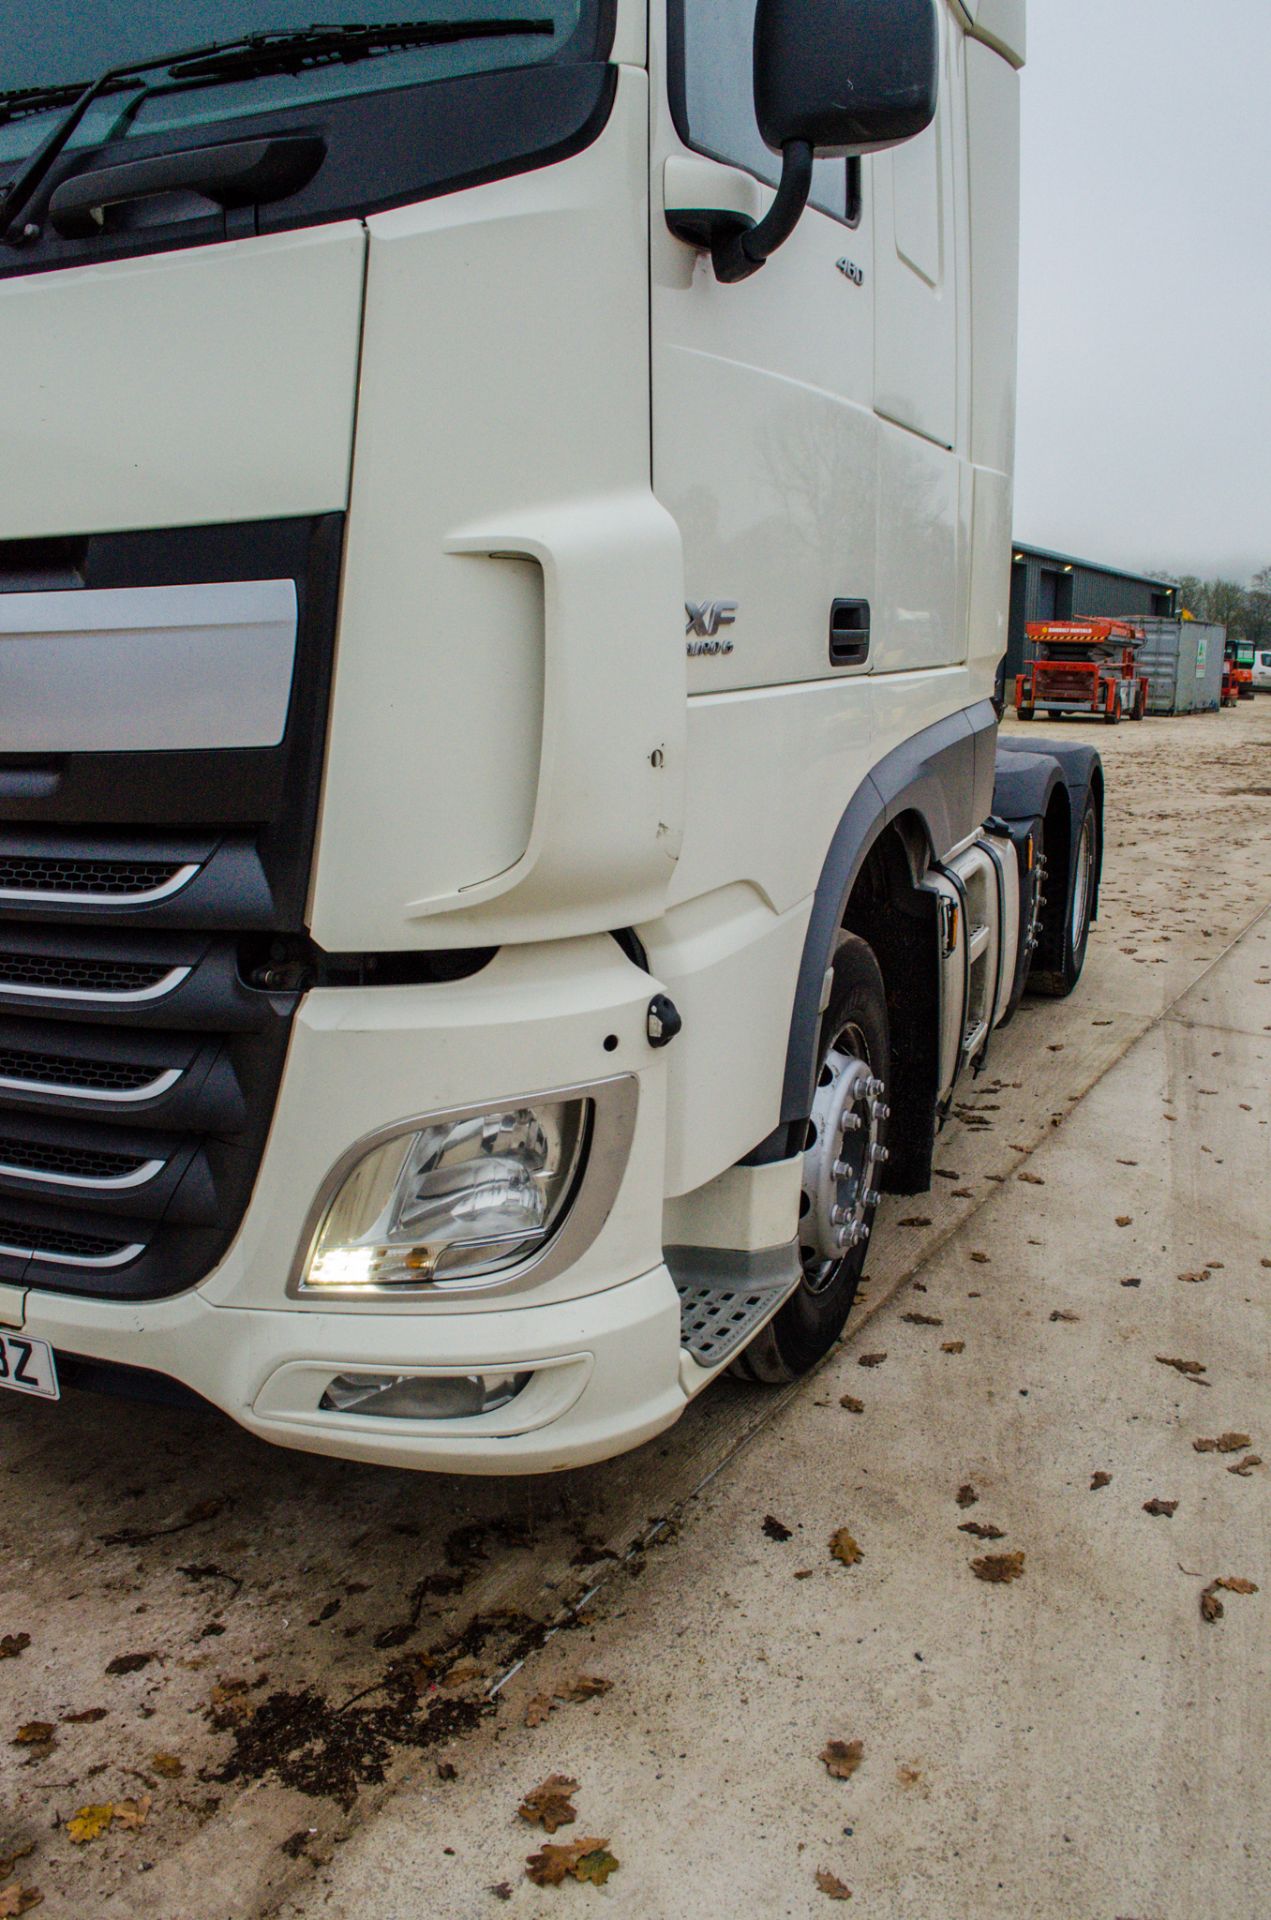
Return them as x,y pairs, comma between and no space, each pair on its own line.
1183,662
1057,586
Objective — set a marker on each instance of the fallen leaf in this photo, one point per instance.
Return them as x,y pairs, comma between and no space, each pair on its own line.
922,1319
914,1220
982,1530
1234,1584
1134,1281
9,1861
774,1530
1127,1163
447,1770
1125,1219
548,1867
952,1346
131,1814
537,1709
462,1674
550,1805
12,1644
999,1567
1061,1314
502,1889
852,1404
1161,1508
980,1259
844,1549
963,1193
16,1899
595,1866
1211,1607
908,1776
966,1495
1189,1367
86,1719
842,1757
871,1360
167,1766
130,1662
830,1884
1100,1479
1033,1179
90,1823
1203,1274
1246,1466
584,1686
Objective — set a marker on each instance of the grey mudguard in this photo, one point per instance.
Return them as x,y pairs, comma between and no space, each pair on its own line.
1027,776
944,776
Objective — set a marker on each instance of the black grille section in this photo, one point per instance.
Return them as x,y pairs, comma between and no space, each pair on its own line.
55,1240
76,1163
104,1074
31,873
61,973
66,1070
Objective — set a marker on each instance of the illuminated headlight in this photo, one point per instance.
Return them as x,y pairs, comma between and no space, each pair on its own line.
452,1201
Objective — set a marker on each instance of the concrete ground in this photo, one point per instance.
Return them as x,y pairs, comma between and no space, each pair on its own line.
309,1648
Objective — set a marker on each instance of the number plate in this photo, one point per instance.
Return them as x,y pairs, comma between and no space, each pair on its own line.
28,1366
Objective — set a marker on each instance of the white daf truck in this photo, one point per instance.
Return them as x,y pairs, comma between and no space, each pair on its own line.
504,548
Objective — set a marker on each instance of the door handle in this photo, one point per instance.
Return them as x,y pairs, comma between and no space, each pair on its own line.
236,173
849,633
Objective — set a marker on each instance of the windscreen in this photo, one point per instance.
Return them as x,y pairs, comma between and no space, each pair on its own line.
68,47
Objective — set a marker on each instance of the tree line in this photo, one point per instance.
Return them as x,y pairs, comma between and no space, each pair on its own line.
1244,611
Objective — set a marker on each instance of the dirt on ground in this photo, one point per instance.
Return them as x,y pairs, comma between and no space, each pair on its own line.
237,1680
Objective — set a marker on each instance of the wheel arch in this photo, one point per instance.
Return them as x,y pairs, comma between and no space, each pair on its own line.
917,803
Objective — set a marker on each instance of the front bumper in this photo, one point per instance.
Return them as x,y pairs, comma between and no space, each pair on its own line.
604,1371
601,1334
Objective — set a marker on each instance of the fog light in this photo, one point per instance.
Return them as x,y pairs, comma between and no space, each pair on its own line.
453,1200
421,1396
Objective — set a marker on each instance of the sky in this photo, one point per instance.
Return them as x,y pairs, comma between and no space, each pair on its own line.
1144,434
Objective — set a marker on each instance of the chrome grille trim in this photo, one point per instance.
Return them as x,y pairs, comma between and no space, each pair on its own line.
119,1258
110,1183
162,1083
37,896
132,997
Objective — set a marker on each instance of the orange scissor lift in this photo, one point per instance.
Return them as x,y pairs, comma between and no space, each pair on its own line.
1083,666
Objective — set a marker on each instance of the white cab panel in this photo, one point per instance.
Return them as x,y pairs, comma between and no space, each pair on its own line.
505,754
993,181
182,389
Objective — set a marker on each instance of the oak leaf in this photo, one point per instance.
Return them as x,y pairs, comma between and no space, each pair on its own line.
999,1567
16,1899
12,1644
1061,1314
1246,1466
548,1867
923,1319
584,1686
131,1814
90,1822
130,1662
549,1803
167,1765
966,1495
537,1709
981,1530
844,1549
1033,1179
775,1529
829,1883
852,1404
1189,1367
871,1360
1165,1509
842,1757
8,1861
952,1346
34,1733
1100,1479
1225,1443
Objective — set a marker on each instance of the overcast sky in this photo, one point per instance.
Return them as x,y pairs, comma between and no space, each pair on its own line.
1145,297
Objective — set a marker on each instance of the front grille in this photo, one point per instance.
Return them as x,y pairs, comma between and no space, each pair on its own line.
53,974
58,1240
31,873
138,1073
64,1070
72,1163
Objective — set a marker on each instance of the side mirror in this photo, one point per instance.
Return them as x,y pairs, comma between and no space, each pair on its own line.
832,78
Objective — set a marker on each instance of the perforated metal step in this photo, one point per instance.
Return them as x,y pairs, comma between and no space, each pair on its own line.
727,1293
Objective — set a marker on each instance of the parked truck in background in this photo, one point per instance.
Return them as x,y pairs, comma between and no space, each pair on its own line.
504,847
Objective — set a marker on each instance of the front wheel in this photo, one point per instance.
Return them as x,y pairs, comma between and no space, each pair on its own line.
1140,703
844,1151
1065,927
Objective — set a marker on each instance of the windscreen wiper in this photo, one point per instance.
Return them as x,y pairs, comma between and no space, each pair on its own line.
276,51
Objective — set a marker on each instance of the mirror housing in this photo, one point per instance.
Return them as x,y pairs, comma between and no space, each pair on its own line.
846,76
833,78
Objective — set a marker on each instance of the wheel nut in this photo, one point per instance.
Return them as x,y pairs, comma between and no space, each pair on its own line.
880,1111
872,1197
851,1122
879,1153
841,1170
839,1216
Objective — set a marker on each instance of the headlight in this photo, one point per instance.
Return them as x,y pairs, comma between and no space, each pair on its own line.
453,1200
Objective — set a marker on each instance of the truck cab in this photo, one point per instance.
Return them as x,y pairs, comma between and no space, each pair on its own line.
504,548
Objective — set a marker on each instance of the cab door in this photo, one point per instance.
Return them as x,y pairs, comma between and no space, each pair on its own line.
764,433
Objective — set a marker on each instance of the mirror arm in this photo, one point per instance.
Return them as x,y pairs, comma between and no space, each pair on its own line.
736,256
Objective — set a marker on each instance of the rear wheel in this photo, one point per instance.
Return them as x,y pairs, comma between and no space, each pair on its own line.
844,1151
1140,702
1025,713
1065,927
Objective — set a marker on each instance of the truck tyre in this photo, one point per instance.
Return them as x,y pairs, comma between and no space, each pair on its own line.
1069,910
844,1151
1025,713
1140,704
1112,715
